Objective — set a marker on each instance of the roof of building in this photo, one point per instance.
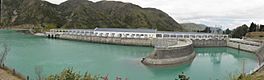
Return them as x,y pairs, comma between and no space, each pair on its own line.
126,30
186,33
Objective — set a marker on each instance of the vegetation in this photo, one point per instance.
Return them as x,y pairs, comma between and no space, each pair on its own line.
255,31
192,27
245,77
69,74
261,28
49,26
85,14
253,27
227,31
182,76
240,31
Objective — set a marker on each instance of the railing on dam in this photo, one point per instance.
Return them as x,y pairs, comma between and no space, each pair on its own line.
171,43
131,34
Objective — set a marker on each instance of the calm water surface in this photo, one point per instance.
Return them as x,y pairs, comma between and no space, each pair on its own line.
29,51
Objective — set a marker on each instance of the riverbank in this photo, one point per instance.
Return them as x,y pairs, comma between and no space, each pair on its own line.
26,29
123,60
7,75
259,74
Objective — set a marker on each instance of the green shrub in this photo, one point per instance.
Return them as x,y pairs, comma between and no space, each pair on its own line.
69,74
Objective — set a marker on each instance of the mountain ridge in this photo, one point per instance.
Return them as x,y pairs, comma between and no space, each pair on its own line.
85,14
193,27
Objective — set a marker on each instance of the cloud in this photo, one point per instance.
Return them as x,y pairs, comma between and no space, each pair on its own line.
227,13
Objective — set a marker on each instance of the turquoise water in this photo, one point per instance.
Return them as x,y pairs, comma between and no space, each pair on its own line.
28,52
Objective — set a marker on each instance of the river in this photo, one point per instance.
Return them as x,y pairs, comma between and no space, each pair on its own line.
53,55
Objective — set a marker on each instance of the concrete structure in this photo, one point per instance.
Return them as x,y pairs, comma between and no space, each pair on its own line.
191,35
170,47
244,45
251,46
136,33
106,32
111,40
125,33
132,36
177,52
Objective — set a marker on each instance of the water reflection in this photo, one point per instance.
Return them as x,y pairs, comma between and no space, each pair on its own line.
53,54
216,54
165,70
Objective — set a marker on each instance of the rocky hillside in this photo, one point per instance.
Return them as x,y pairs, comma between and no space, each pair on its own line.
86,14
192,27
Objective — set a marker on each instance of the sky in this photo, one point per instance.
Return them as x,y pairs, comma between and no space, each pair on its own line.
215,13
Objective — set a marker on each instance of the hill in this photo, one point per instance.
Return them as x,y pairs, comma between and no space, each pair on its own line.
192,27
86,14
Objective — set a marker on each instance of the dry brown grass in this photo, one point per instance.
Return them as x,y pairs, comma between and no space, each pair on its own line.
7,75
255,34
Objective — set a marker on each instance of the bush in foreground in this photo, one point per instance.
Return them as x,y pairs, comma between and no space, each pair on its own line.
69,74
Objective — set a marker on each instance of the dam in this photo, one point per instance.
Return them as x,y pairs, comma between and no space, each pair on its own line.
28,51
171,48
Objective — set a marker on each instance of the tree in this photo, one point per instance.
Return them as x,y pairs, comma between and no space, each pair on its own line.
240,31
261,28
227,31
4,53
253,27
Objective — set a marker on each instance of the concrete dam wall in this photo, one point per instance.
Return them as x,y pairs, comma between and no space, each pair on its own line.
168,51
244,45
171,54
175,54
210,43
120,41
138,41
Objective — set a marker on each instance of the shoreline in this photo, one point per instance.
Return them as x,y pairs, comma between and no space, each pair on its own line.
7,73
260,68
258,57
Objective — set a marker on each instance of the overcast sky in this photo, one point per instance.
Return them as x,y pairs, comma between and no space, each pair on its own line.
225,13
